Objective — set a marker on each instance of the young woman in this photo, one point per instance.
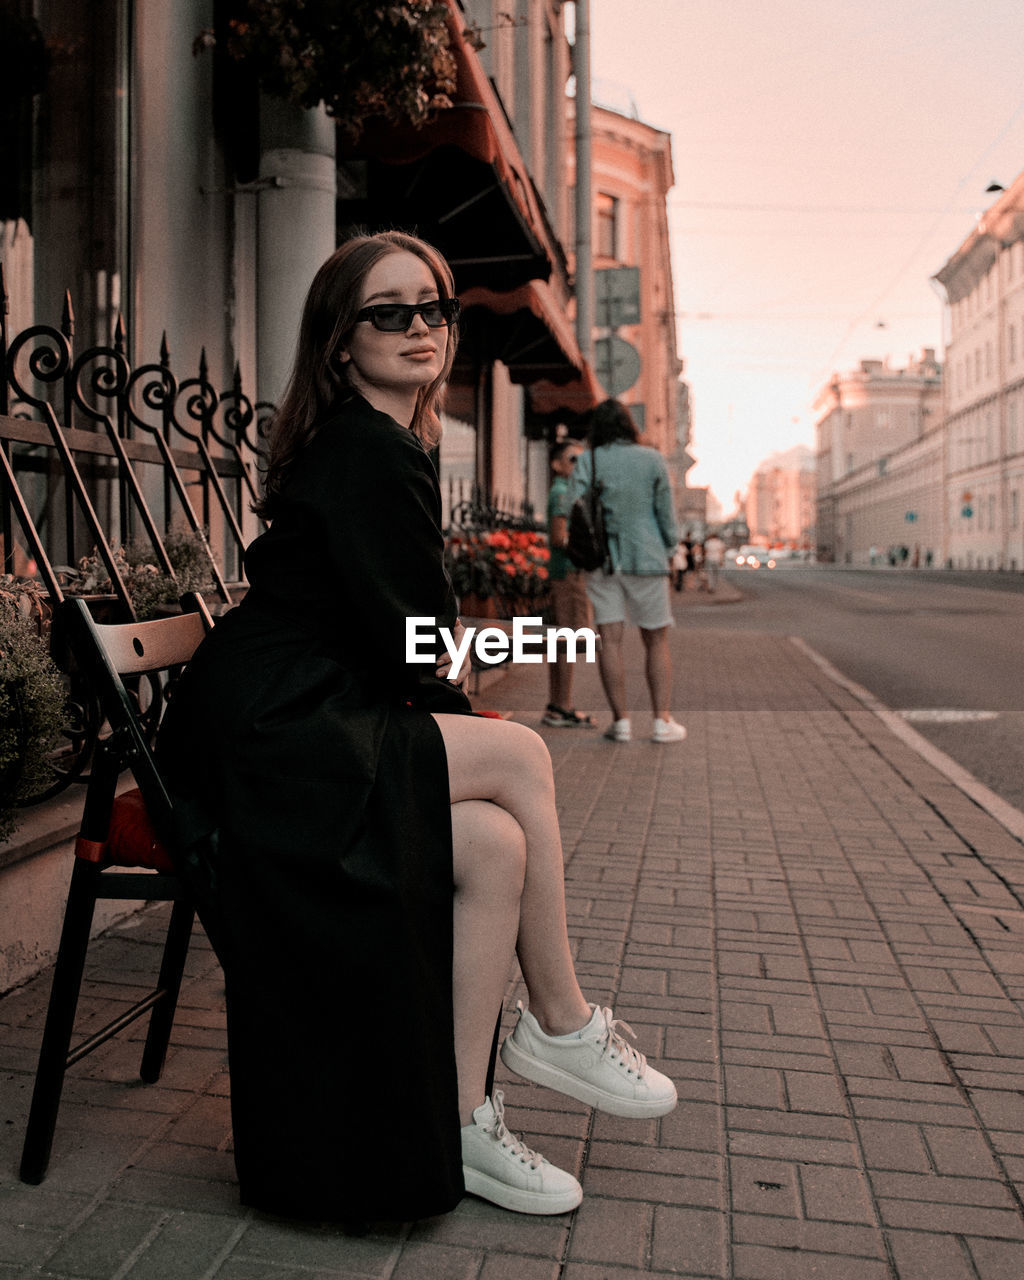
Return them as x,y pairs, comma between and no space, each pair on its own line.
640,522
379,853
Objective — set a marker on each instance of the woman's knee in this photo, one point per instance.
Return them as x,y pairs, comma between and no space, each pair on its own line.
488,847
487,758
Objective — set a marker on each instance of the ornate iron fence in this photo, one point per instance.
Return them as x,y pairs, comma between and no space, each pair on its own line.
63,413
96,454
477,511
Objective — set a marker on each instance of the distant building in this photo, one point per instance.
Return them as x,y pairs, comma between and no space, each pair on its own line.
879,463
984,471
635,328
780,505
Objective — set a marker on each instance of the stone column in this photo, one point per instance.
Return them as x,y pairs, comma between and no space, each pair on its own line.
298,179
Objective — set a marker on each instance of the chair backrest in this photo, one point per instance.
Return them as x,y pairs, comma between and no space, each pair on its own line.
119,661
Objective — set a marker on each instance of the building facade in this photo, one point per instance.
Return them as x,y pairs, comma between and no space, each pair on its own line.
150,178
632,176
879,463
984,448
780,503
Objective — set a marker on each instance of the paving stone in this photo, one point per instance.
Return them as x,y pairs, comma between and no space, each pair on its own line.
761,1262
997,1259
610,1230
688,1242
920,1255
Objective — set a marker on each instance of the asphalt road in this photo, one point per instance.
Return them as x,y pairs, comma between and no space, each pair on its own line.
945,649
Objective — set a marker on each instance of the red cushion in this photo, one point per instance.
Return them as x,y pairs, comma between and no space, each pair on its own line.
131,841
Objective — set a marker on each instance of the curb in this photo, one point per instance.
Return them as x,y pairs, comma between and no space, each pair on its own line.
1011,819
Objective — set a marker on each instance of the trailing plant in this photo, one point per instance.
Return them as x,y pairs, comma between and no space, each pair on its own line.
148,585
360,58
32,699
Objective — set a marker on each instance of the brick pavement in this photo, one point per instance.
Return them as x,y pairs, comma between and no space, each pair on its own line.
810,928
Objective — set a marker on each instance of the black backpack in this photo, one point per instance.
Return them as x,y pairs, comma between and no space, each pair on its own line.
587,547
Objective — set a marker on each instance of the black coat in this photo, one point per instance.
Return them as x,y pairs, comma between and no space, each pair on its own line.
306,765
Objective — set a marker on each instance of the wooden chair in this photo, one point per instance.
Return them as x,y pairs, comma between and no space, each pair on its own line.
131,667
117,832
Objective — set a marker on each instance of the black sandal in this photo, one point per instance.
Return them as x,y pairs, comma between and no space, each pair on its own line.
563,718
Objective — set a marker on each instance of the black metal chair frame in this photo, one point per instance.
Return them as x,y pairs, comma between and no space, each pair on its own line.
113,658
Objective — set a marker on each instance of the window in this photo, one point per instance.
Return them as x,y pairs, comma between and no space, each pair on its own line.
1012,339
606,208
1014,508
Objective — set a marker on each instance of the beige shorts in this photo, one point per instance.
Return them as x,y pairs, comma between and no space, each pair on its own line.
640,598
570,604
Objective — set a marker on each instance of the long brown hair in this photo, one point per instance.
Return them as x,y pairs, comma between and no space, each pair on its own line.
318,380
612,421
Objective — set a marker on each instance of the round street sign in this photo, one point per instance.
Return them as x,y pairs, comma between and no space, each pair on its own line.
616,363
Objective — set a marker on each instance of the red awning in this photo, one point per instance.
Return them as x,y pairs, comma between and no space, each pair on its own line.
527,329
570,402
459,205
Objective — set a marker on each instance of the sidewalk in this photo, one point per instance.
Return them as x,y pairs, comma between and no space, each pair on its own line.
809,927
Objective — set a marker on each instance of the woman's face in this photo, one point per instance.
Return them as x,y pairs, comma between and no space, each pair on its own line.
390,368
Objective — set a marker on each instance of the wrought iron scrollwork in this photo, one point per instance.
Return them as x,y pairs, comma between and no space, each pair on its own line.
95,403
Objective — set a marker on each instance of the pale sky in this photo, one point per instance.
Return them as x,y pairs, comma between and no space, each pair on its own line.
829,157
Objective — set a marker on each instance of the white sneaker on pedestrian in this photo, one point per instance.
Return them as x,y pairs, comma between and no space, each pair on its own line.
500,1167
620,730
594,1065
668,731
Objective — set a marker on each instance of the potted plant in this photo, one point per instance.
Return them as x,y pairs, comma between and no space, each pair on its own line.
32,699
500,573
152,591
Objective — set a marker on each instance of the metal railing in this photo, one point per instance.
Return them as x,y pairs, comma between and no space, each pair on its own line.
95,455
78,429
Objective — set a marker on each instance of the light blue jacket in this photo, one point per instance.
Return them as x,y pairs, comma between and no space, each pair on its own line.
637,500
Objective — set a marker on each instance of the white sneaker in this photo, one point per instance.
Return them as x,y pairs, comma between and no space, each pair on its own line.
500,1167
620,730
668,731
595,1066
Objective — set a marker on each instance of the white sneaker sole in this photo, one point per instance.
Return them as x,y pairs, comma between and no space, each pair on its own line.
516,1198
540,1072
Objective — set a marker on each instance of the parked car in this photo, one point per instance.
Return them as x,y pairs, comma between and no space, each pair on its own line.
751,557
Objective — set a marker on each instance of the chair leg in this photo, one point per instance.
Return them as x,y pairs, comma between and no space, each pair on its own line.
172,967
60,1022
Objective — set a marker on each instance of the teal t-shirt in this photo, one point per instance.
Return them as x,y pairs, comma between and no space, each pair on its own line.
559,566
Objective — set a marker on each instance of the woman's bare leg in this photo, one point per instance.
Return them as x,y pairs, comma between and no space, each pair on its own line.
489,863
658,669
508,765
611,667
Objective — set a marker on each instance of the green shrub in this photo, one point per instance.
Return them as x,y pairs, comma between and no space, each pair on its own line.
32,700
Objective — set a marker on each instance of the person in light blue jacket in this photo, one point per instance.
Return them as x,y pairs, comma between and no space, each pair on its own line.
640,522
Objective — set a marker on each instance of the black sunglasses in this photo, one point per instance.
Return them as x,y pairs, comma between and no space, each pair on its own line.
396,317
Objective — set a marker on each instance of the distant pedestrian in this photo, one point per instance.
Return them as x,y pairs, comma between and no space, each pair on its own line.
714,555
570,605
637,499
677,566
